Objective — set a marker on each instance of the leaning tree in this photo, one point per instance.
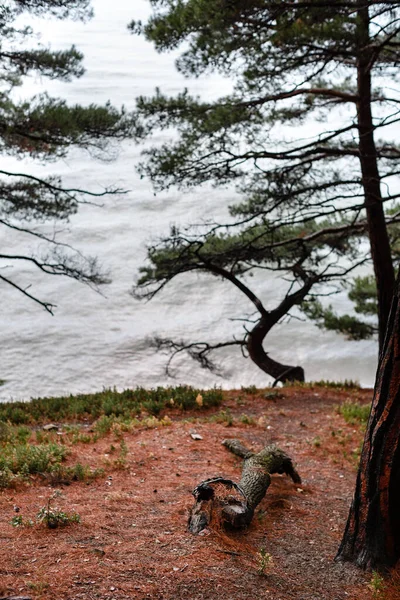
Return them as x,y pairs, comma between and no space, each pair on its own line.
372,535
301,137
45,128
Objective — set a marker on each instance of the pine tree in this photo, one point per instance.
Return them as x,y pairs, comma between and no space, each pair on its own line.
45,128
312,197
372,534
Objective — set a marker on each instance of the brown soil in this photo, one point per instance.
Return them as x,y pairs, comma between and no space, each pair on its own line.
132,541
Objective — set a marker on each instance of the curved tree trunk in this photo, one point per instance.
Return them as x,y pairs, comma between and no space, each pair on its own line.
372,535
267,320
279,371
233,504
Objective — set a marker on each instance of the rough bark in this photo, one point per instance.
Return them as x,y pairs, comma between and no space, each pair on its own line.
372,534
231,504
377,229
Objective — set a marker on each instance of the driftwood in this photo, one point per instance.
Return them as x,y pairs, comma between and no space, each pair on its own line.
233,504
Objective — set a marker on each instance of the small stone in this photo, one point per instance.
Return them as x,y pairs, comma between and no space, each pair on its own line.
196,436
50,427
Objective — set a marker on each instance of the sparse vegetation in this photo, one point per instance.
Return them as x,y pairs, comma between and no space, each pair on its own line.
247,419
252,390
20,458
128,403
355,413
53,517
224,416
377,586
120,462
347,384
48,515
316,442
19,521
265,561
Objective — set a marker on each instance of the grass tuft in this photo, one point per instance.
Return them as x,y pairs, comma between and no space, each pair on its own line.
355,413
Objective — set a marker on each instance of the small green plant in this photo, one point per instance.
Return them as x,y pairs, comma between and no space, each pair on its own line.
265,561
316,442
38,586
252,390
272,395
53,517
84,438
246,419
355,413
103,424
224,416
19,521
120,462
377,586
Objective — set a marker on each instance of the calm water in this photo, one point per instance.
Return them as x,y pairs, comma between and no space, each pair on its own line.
96,341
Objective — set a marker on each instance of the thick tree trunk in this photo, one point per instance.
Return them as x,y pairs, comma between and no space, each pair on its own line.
377,230
372,535
279,371
232,504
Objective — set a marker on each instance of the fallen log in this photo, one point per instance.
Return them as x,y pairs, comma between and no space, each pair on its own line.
233,504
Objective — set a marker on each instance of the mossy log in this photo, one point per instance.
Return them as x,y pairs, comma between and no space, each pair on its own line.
233,504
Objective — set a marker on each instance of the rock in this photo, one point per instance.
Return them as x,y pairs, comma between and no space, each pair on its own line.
50,427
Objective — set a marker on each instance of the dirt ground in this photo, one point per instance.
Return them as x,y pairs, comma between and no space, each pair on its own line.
132,541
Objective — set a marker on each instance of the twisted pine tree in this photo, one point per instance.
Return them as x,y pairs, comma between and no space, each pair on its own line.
301,137
46,128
